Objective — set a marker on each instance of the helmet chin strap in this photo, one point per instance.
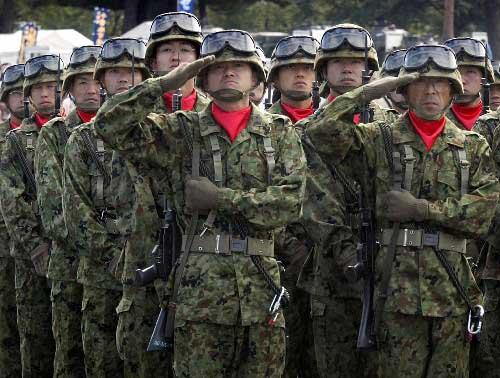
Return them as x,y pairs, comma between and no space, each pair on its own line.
231,94
341,89
430,118
466,99
297,95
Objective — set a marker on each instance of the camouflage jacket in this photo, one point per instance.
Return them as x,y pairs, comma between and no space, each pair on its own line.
137,202
4,235
49,158
486,125
19,206
327,228
88,211
215,288
419,284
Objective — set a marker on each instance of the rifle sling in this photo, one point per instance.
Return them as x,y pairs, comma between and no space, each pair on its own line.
23,160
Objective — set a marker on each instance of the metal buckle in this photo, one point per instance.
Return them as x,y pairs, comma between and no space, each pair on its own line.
406,242
475,322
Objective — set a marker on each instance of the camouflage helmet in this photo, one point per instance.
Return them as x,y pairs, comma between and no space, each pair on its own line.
496,70
231,46
82,61
392,63
292,50
435,61
118,52
12,78
471,52
345,41
42,69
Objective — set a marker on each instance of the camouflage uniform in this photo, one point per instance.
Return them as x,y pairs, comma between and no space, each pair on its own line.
330,225
420,294
487,124
10,359
89,218
22,217
66,293
485,353
136,201
222,300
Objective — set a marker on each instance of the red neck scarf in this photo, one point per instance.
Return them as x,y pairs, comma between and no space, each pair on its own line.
467,115
13,124
357,117
427,130
187,103
233,122
40,120
85,116
296,114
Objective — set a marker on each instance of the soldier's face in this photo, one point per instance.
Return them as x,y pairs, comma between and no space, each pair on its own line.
495,97
43,97
15,103
231,75
171,54
85,91
295,77
119,79
345,72
471,79
429,97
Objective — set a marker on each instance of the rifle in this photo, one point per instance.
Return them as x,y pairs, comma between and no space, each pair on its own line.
177,101
365,108
57,102
269,97
26,103
486,86
316,99
365,269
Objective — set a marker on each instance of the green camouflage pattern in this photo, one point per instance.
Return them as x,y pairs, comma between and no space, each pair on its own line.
419,285
34,321
226,290
25,230
487,124
97,241
49,158
484,355
405,341
10,357
213,350
66,297
99,320
137,312
136,200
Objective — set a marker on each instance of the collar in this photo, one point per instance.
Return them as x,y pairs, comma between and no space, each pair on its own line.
85,117
467,115
40,120
296,114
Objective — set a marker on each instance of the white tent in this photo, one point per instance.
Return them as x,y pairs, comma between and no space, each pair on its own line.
57,41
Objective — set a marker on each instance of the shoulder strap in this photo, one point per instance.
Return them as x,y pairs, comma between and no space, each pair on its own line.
89,146
461,158
63,132
23,160
270,160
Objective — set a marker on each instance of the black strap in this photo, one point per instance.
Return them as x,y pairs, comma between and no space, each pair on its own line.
63,132
394,161
23,160
89,146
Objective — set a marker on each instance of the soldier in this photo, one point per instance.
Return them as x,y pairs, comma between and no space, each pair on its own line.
66,293
11,92
175,39
391,66
495,88
424,288
473,65
340,62
292,73
487,123
90,217
30,243
226,321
